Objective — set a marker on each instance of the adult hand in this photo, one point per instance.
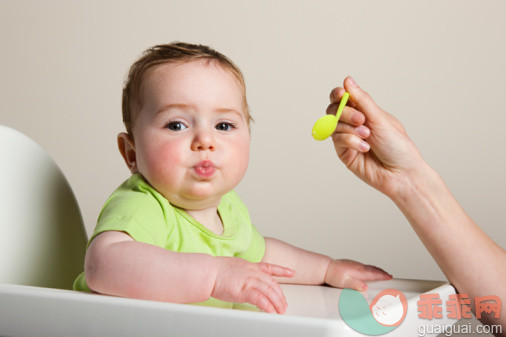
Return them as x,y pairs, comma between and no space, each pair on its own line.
372,143
390,162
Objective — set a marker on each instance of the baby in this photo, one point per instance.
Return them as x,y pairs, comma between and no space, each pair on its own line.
176,231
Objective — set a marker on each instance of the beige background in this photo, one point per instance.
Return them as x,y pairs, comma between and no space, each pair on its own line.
439,66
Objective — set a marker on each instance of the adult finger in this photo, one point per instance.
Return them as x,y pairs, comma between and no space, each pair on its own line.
336,94
361,131
348,140
349,115
363,101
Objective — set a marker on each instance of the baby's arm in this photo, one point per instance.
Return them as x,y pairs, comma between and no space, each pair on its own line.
314,268
310,267
115,264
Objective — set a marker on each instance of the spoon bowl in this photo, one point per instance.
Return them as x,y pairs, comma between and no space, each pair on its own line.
327,124
324,127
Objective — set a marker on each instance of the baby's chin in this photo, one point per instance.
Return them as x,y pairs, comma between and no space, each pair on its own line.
197,199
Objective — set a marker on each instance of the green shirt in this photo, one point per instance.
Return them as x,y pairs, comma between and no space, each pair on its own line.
143,213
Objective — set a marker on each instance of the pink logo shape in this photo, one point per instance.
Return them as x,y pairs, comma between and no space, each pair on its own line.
389,307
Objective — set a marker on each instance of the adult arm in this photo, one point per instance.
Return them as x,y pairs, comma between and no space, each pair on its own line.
374,146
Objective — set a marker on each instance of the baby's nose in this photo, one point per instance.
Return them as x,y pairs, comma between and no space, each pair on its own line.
203,140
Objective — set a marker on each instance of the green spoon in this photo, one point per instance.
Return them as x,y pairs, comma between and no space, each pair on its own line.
326,125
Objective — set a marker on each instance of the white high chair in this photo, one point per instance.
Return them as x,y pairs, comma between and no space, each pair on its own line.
42,237
42,247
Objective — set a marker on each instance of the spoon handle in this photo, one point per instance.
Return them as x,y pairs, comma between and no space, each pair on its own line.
344,100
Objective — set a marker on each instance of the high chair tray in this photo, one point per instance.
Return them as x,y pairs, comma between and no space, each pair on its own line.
312,311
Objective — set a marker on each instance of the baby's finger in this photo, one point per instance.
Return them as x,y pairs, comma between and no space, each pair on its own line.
278,289
275,270
256,297
348,140
371,267
353,283
361,131
349,114
371,273
268,278
273,292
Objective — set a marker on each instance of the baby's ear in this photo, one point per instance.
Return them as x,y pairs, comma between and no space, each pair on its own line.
126,147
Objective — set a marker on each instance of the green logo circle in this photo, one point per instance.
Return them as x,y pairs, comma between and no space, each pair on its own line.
387,311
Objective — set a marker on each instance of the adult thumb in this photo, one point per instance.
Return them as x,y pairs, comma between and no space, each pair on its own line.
363,101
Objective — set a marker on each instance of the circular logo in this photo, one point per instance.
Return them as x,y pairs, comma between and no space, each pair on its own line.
385,313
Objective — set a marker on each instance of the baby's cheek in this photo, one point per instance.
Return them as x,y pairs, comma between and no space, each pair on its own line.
239,158
166,161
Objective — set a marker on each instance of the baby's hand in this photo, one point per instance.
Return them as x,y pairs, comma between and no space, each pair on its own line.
352,274
244,282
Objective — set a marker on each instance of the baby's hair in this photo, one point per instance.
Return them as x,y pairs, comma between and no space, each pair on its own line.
175,52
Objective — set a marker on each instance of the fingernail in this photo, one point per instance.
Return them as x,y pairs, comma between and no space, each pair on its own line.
363,286
352,82
356,118
364,146
363,131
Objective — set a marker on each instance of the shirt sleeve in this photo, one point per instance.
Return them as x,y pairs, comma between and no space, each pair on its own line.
137,213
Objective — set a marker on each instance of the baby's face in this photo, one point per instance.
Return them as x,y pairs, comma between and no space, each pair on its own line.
191,136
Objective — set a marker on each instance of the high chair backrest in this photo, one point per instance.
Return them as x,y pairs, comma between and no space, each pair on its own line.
42,236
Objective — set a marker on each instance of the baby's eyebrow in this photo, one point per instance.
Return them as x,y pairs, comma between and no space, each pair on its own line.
174,105
227,110
183,106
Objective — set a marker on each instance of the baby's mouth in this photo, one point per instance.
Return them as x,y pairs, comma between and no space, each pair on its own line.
205,168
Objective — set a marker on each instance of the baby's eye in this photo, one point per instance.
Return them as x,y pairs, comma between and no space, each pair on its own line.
175,126
224,126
